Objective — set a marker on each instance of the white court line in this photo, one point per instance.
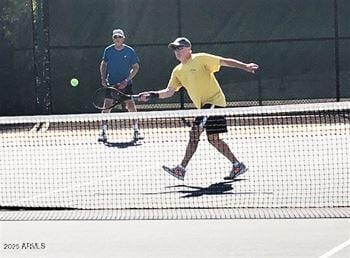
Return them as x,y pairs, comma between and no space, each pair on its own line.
336,249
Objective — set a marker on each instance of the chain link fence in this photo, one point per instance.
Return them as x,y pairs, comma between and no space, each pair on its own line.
301,47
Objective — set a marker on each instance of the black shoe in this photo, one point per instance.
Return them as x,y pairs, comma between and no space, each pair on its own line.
137,136
102,137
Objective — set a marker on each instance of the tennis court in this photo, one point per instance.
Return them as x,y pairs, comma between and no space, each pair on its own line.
64,194
298,167
70,196
181,238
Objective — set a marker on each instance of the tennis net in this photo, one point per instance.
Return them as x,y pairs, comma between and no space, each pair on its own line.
53,167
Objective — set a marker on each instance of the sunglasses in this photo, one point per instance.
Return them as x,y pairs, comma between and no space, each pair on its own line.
117,37
179,48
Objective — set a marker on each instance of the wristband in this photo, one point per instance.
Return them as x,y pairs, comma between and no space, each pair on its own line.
153,95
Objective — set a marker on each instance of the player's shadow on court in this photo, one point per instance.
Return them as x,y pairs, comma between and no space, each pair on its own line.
122,145
213,189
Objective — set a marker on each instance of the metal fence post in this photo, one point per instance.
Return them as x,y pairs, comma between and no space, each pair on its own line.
41,52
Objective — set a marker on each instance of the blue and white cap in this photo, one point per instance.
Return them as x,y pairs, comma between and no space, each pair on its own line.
180,42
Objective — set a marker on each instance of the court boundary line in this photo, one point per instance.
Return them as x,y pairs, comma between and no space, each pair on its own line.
336,249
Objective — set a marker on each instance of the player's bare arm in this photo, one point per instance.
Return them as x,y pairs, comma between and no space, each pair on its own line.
161,94
133,71
229,62
103,71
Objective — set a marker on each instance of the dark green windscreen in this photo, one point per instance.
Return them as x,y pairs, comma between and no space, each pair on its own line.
301,46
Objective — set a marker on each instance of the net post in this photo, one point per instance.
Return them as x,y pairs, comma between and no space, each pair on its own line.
336,51
41,53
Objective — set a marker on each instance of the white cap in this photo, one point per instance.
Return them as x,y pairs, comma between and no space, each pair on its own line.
118,32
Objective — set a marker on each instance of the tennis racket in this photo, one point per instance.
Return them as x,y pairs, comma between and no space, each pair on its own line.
108,97
201,122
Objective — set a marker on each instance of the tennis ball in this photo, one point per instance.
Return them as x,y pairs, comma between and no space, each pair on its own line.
74,82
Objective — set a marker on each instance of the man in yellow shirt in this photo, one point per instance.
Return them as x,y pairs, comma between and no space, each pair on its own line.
196,74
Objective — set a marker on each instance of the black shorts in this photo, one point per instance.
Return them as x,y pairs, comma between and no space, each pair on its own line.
127,90
214,124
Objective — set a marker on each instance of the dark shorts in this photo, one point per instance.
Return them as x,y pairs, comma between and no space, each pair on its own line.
214,124
127,90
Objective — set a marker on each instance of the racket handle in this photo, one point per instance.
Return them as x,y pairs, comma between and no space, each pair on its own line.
203,122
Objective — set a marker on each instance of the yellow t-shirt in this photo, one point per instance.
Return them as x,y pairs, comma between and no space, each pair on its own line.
197,77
